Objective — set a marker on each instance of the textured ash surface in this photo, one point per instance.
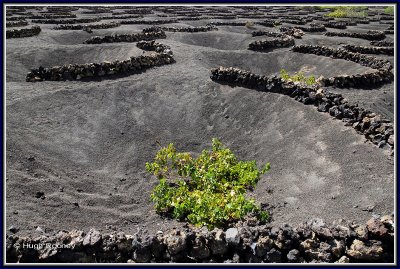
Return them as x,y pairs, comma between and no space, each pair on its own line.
92,139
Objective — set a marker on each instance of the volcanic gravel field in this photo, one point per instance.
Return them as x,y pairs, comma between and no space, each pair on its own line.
76,149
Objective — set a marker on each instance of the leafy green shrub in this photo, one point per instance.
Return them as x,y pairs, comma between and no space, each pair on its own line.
348,12
297,77
389,10
208,190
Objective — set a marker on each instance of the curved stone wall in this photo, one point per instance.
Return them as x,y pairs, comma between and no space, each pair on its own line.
374,127
125,38
383,43
340,53
370,50
312,28
221,23
292,31
148,22
335,24
247,242
265,45
52,16
153,46
190,29
16,23
86,26
370,35
96,70
267,33
25,32
71,21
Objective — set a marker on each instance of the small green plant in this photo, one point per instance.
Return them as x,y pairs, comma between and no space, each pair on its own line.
297,77
348,12
389,10
208,190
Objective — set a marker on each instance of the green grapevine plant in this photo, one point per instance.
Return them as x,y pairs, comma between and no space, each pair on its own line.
208,190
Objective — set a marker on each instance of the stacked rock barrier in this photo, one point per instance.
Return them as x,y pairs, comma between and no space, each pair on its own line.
98,70
190,29
20,18
86,26
291,21
246,242
124,17
335,24
222,17
383,43
70,21
149,22
374,127
292,31
370,35
270,23
370,50
267,33
368,79
153,46
52,16
16,23
26,32
340,53
312,28
222,23
265,45
125,38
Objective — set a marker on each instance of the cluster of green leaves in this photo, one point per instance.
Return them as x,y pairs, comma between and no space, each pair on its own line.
348,12
208,190
389,10
297,77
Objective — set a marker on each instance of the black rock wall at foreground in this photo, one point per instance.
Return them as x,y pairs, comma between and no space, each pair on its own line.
374,127
25,32
246,242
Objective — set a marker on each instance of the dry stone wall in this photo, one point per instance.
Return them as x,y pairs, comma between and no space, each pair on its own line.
16,23
265,45
246,242
269,23
125,37
190,29
335,24
340,53
312,28
374,127
25,32
98,70
70,21
86,26
152,22
369,79
370,35
370,50
383,43
52,16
